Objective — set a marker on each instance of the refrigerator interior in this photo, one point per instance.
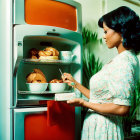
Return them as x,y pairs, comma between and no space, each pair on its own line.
49,68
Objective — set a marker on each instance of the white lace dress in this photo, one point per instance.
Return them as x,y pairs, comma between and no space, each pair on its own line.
113,84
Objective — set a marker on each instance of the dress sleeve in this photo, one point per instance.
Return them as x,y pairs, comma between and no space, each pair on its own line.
121,83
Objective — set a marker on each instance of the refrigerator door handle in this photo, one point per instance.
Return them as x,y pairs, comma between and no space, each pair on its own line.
53,34
30,110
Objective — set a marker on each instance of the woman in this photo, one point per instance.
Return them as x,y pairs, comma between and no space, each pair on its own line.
112,87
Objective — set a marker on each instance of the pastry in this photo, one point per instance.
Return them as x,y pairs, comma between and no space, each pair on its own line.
36,77
56,81
39,71
34,57
33,52
48,53
53,50
41,53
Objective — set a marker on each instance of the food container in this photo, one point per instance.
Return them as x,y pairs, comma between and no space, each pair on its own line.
37,87
58,87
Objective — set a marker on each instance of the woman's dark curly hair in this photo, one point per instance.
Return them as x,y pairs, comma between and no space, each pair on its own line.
125,21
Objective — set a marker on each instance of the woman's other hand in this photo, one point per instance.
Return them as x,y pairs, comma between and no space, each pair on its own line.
76,102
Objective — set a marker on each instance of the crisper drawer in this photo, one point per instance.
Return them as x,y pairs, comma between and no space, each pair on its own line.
21,117
58,13
45,123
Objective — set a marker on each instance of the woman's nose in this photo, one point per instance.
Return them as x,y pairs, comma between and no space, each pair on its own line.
104,36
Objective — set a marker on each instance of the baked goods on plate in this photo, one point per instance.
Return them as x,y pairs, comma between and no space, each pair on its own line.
49,53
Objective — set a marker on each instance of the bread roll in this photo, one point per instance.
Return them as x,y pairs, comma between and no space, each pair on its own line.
36,77
39,71
48,53
56,81
54,51
33,52
34,57
41,53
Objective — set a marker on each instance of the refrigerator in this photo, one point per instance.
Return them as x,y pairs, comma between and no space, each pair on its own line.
28,24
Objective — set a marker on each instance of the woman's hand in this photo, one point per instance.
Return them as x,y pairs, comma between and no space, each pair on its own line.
67,78
76,102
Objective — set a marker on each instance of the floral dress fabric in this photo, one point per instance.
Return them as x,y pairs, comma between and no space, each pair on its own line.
114,83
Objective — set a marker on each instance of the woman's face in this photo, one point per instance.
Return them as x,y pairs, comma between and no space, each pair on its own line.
112,38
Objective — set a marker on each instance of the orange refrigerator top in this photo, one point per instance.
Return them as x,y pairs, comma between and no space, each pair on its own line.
51,13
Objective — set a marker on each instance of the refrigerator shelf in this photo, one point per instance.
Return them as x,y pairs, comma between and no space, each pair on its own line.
35,97
24,98
41,93
46,61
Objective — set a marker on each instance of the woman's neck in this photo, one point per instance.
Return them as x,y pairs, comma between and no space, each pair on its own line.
121,48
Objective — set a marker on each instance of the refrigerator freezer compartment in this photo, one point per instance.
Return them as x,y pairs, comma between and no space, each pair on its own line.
60,13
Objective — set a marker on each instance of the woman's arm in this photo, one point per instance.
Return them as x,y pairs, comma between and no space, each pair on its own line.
82,89
106,108
69,79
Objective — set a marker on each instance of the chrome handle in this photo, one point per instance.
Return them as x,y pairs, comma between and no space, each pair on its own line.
31,110
53,34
